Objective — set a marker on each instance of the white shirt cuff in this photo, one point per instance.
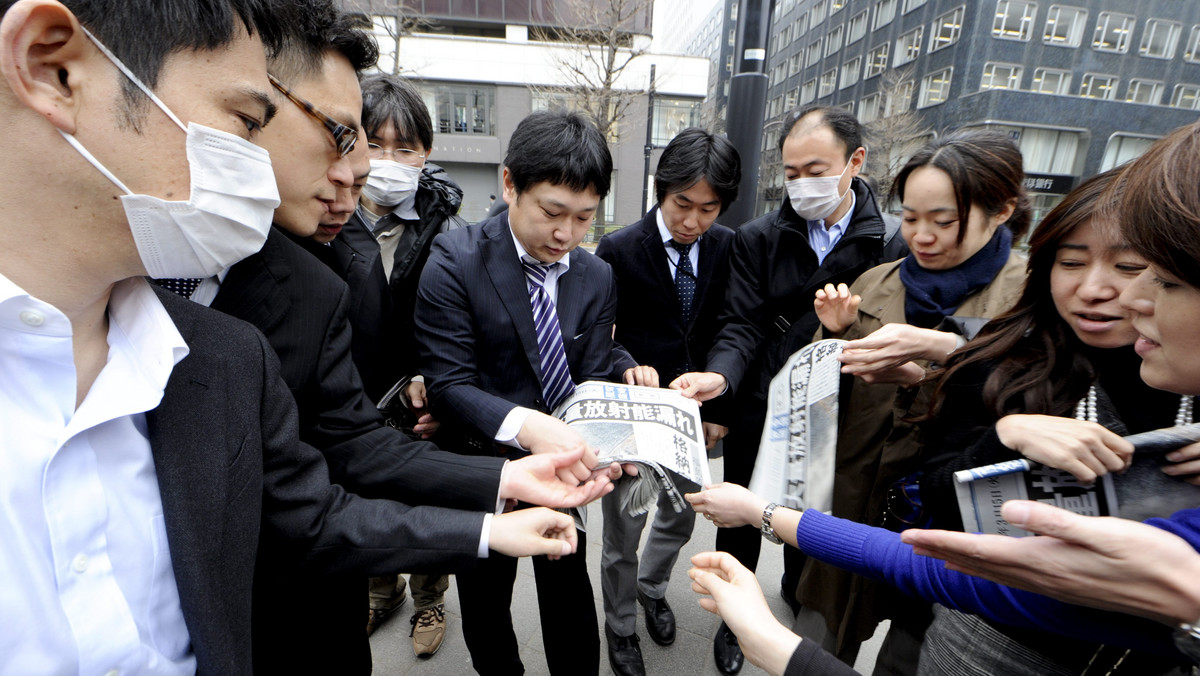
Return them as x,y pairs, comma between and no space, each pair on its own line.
483,537
499,496
511,427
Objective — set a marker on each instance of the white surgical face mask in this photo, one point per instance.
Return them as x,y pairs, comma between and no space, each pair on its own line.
816,198
390,182
226,218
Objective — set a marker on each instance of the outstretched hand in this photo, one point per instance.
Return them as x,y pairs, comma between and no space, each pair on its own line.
1185,464
700,386
1085,449
894,345
532,532
542,433
535,479
836,307
727,505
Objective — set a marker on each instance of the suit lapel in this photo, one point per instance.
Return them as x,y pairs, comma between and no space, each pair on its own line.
508,278
708,262
251,291
655,251
568,306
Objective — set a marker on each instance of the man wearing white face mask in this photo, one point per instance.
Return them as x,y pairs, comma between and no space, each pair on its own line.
829,231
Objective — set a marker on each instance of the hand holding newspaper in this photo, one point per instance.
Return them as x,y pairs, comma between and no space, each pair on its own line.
656,428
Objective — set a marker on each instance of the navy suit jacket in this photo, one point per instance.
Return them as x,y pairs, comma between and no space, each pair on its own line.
649,322
475,329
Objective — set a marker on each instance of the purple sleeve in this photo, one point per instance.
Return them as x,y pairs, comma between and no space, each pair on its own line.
879,554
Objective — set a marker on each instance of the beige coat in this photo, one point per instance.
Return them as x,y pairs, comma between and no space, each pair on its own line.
873,453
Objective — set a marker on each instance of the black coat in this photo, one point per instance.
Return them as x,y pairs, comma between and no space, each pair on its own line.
649,321
774,276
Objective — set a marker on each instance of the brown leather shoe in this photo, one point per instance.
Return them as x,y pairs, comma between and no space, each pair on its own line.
428,630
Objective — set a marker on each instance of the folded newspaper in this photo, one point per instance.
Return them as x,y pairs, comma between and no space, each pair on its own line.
656,428
1140,492
796,458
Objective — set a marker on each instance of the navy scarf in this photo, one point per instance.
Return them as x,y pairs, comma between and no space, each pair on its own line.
932,295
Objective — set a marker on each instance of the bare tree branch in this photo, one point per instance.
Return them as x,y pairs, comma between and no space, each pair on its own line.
896,133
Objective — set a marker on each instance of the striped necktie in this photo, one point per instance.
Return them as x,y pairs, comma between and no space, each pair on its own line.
685,280
556,375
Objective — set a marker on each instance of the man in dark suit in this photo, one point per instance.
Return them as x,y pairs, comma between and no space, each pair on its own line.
671,270
510,315
147,445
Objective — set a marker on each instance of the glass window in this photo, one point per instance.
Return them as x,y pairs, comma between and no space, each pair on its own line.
1045,151
1192,52
935,88
1122,148
1186,96
1160,38
1094,86
946,29
858,27
1051,81
1001,76
828,82
732,37
1113,32
801,26
817,14
850,71
1065,26
794,64
814,54
877,60
901,99
729,63
910,5
1144,91
834,41
459,109
908,46
868,108
808,91
1014,19
789,101
836,6
885,11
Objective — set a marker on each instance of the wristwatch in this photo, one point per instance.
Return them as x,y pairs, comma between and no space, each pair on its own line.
1187,640
765,529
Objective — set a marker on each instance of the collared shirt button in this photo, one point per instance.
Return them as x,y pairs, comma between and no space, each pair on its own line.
80,563
32,318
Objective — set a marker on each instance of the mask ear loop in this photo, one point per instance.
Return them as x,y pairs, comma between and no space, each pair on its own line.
134,79
94,162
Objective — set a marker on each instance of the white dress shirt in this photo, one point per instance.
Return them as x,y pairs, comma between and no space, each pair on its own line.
823,239
88,586
672,252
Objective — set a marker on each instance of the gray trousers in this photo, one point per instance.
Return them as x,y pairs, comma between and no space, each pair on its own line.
621,573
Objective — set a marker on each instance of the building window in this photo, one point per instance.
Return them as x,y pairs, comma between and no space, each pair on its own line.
1192,53
908,46
672,116
828,82
885,11
1186,96
1144,91
935,88
1122,148
794,64
868,108
900,100
847,106
817,14
459,109
732,36
834,41
910,5
1045,151
1160,38
1113,32
808,91
729,63
1065,26
836,6
1001,76
858,27
814,54
946,29
1051,81
801,26
1094,86
877,60
789,101
1014,19
850,71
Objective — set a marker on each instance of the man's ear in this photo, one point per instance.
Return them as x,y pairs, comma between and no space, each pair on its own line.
43,50
510,188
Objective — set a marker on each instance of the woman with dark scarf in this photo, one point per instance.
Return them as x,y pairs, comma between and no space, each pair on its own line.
963,203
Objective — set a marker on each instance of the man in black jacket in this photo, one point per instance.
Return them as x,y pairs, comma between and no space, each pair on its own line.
829,231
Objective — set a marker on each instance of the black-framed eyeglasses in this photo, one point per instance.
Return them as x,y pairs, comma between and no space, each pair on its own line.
343,137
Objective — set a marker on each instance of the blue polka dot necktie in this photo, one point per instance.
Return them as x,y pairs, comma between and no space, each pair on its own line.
685,280
556,376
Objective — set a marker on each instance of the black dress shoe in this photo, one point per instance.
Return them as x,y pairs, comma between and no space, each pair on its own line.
660,619
727,651
624,654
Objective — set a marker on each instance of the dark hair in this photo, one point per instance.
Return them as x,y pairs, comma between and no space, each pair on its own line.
1040,365
560,148
985,168
391,98
1159,204
321,27
695,154
839,120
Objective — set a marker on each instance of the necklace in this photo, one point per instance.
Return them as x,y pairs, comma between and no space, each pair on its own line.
1086,409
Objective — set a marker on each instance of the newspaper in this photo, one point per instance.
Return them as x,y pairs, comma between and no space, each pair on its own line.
1140,492
656,428
795,465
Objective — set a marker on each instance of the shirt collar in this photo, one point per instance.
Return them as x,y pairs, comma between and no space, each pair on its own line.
665,234
565,261
844,221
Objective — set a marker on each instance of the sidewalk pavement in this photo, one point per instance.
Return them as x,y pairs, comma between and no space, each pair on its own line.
690,655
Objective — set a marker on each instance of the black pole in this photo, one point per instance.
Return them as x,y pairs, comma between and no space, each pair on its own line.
649,143
748,102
